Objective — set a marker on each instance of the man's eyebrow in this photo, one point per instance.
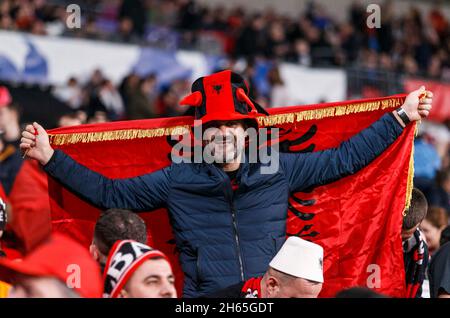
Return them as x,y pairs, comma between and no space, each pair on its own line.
152,276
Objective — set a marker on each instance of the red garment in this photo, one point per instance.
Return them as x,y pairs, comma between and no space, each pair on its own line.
252,288
11,251
2,194
62,258
30,220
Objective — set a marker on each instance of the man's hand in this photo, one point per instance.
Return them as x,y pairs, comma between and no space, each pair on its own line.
36,144
417,104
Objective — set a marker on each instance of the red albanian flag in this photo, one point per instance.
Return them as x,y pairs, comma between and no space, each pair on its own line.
356,219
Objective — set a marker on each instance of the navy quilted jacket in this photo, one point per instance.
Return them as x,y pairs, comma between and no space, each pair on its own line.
225,237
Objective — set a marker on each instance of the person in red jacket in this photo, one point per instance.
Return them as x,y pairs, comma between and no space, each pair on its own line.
58,268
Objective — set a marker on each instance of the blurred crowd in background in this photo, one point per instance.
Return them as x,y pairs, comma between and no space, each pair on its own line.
416,43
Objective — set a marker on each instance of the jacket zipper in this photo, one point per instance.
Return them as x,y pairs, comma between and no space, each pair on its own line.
236,236
235,229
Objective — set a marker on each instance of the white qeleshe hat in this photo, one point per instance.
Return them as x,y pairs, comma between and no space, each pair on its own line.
300,258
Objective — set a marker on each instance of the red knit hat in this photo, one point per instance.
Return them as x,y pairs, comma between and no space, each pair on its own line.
222,96
59,257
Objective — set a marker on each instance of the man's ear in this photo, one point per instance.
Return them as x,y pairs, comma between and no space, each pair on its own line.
272,287
95,253
123,294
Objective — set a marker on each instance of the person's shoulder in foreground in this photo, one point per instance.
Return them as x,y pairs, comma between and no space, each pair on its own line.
439,272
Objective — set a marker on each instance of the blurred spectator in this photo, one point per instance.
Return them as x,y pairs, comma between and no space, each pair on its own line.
435,67
168,103
125,32
147,273
141,99
445,236
95,81
97,117
415,249
189,15
111,100
426,163
71,94
70,119
279,95
10,158
432,226
277,45
439,273
302,53
252,39
249,75
48,272
11,162
440,193
114,225
9,118
102,99
128,85
133,11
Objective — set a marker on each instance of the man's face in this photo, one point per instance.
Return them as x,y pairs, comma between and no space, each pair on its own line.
295,288
153,279
67,121
36,287
7,116
407,234
432,234
224,140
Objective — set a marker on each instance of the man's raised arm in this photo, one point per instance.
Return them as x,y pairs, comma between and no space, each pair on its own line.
322,167
141,193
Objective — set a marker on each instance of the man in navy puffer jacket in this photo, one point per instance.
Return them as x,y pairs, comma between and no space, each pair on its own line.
229,219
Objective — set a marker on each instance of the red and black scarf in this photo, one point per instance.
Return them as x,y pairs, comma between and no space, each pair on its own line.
416,257
252,288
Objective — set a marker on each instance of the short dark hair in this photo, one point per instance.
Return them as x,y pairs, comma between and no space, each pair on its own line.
359,292
117,224
417,210
442,176
437,216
